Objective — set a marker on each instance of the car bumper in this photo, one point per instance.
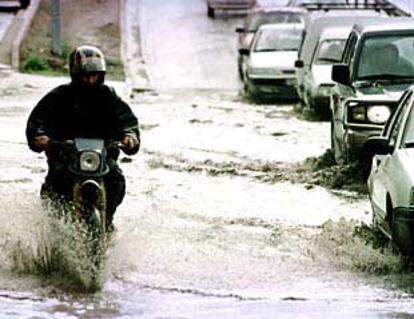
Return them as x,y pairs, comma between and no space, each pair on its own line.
355,139
231,6
283,88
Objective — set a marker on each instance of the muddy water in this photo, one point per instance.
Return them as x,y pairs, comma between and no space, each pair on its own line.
199,235
223,218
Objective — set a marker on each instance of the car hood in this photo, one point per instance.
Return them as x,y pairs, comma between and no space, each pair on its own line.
389,92
277,59
322,74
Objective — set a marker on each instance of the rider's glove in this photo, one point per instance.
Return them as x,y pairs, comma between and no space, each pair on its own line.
41,142
130,144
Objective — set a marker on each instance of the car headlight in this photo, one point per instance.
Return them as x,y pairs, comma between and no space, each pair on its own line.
378,114
89,161
374,114
358,114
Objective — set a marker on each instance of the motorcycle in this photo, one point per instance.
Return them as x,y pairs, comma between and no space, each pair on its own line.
85,162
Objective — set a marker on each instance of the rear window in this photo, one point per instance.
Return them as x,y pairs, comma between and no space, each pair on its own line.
278,40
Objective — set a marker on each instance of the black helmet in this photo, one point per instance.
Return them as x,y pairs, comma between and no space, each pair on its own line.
86,59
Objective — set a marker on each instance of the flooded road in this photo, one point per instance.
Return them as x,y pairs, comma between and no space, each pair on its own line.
222,219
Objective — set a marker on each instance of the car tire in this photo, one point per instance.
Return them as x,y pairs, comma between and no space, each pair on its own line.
402,237
210,12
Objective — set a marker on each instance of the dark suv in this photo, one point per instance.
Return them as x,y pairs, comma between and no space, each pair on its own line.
377,66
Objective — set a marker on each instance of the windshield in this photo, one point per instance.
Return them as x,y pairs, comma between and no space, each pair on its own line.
256,20
278,40
330,51
387,57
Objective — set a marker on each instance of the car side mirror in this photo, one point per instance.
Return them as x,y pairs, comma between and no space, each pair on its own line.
340,74
299,64
244,51
240,30
377,145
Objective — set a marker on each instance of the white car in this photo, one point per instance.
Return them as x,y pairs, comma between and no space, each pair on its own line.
269,65
391,178
317,80
260,16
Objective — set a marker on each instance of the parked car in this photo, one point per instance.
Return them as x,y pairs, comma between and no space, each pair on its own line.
14,3
260,16
377,66
315,26
270,61
228,5
317,81
391,179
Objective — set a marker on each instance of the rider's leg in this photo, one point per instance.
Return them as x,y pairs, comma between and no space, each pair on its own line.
115,192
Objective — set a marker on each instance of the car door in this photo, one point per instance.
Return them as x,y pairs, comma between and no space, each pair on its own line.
384,166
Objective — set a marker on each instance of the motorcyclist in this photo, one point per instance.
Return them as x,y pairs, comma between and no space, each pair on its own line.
85,107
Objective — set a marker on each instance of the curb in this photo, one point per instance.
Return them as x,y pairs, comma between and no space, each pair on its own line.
24,19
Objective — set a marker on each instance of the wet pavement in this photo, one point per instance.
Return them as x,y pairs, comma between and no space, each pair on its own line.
222,218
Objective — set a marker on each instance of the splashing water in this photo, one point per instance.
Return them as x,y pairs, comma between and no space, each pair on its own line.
35,242
347,244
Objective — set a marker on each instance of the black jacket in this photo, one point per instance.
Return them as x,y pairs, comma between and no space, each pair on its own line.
70,111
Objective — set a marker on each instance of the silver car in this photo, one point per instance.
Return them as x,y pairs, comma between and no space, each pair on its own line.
270,69
260,16
391,178
317,81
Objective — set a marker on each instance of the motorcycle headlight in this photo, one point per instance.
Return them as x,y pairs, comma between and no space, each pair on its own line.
378,114
89,161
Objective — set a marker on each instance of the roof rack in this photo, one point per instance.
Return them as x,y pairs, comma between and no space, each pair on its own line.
377,5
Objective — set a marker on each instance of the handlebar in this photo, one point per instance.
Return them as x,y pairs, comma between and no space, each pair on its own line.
109,144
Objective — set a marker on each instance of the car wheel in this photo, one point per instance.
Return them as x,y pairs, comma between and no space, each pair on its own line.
210,12
322,111
336,151
402,234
